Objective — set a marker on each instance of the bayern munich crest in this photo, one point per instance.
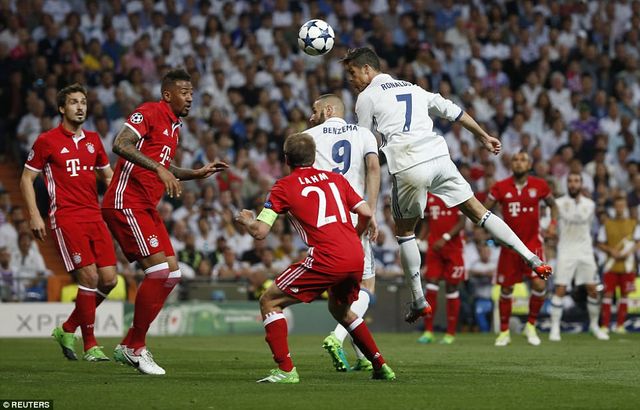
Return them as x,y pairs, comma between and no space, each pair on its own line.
31,155
153,241
136,118
77,258
90,148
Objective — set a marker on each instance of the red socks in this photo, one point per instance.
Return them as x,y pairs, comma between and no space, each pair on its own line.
504,306
84,315
432,298
622,311
536,300
453,311
363,339
275,327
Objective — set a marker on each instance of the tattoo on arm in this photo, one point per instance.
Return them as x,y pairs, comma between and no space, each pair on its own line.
125,146
182,174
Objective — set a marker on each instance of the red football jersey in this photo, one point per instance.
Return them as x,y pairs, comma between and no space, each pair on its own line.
318,203
68,163
133,186
521,207
441,220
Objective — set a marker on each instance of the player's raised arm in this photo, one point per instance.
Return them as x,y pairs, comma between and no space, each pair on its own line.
125,146
492,144
185,174
36,223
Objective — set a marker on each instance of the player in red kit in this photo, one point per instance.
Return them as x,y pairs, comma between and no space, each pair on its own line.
520,196
443,262
70,157
146,145
318,204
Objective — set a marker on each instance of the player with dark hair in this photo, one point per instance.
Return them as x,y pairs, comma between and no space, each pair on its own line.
419,161
70,157
146,145
519,197
318,204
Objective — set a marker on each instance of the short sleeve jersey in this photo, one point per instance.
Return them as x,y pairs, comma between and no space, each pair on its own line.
400,111
521,206
133,186
442,220
318,204
68,163
575,220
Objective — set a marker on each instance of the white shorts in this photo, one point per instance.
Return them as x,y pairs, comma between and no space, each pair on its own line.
369,261
580,270
439,176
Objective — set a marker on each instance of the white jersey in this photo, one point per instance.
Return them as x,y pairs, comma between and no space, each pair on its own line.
400,111
575,220
342,148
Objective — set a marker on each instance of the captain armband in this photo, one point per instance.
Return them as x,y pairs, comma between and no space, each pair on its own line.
267,216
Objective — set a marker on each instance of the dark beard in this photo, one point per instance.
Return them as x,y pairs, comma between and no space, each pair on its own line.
574,194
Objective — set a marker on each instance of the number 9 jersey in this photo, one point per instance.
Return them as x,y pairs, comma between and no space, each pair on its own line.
400,111
318,205
342,148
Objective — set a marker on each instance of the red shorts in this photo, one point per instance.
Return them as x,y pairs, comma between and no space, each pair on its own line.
447,265
83,244
140,232
513,269
306,284
626,281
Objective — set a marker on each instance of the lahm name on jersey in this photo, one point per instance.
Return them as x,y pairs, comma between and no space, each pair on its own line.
395,84
335,130
313,179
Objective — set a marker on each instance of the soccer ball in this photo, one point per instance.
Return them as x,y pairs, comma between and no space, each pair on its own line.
316,37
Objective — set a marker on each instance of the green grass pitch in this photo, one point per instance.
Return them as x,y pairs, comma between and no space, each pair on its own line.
220,373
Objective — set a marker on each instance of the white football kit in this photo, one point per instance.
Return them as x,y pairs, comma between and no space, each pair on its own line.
418,158
576,259
342,148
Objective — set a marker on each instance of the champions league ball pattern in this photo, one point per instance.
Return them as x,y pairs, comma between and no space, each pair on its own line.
316,37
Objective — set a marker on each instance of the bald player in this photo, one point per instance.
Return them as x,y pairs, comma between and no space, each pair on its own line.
353,152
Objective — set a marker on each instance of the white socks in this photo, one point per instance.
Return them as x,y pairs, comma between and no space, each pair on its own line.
359,307
410,260
593,307
556,312
501,231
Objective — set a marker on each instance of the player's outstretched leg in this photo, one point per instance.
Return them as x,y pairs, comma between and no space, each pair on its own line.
410,260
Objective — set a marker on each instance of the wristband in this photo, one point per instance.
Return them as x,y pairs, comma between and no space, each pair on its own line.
446,236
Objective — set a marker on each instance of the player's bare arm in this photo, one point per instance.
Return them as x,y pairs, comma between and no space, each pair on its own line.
372,168
185,174
105,174
36,223
455,230
125,146
490,203
257,228
492,144
551,203
364,217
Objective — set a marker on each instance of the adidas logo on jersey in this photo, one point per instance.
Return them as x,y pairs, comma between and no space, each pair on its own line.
166,132
64,150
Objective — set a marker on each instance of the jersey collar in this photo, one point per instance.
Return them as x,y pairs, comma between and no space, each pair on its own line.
67,133
167,110
335,119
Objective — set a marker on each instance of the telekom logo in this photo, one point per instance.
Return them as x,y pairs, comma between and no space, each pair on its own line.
434,211
514,208
73,165
165,155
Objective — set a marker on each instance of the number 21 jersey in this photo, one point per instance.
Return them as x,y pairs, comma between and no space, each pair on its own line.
318,204
133,186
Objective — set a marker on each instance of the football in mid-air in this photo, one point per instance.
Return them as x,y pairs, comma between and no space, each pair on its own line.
316,37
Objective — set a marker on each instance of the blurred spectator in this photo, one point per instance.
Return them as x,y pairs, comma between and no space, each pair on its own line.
29,270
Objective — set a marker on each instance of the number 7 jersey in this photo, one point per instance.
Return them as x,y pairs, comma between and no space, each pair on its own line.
318,205
132,186
400,111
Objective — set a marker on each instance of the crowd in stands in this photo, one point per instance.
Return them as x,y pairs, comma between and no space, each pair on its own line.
558,79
